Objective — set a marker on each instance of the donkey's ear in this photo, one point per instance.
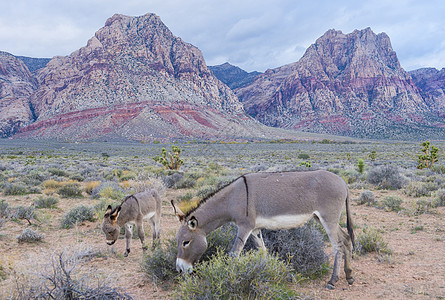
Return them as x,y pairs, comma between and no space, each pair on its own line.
115,213
179,214
192,223
108,211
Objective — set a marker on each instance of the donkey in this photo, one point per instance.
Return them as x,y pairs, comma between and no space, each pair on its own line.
132,211
271,201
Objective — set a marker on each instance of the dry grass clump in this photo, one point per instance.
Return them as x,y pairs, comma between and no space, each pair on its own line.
30,236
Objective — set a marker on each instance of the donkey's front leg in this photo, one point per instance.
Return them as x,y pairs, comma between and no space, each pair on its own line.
141,234
128,236
240,240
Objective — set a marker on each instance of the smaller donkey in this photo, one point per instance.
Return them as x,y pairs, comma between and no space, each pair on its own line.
132,211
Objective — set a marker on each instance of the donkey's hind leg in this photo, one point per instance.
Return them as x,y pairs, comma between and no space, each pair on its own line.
155,225
258,239
347,254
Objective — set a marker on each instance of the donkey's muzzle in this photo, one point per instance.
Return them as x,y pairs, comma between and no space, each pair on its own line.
183,266
110,242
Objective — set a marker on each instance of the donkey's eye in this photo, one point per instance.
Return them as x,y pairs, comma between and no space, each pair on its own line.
185,243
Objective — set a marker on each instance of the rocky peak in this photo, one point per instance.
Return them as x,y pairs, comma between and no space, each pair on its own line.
340,80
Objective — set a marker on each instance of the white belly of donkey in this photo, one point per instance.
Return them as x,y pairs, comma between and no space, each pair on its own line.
282,222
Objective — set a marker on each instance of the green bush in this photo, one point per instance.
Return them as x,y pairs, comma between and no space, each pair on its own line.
5,210
15,189
361,165
367,197
392,203
419,189
160,263
386,177
302,248
76,215
71,190
303,156
439,198
423,206
371,241
46,202
30,236
109,190
253,275
58,172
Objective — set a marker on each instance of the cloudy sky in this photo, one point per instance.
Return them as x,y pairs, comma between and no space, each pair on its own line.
252,34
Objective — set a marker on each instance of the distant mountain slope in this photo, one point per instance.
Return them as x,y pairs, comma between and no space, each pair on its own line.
347,84
135,79
234,77
431,83
16,86
34,64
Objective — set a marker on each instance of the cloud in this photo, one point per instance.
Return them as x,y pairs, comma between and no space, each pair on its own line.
253,34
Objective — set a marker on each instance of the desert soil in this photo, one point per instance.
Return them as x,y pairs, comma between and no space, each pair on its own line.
415,270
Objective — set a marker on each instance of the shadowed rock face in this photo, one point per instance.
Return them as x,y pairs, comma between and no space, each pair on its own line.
342,83
431,83
16,85
132,62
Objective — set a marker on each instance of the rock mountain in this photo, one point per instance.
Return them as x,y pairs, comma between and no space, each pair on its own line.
134,79
347,84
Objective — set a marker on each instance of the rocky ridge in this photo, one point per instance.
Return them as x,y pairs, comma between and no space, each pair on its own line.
16,86
134,79
233,76
347,84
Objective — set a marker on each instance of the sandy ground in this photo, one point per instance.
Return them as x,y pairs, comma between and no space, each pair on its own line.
415,270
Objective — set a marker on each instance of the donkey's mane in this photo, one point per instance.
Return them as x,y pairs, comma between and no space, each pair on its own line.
204,200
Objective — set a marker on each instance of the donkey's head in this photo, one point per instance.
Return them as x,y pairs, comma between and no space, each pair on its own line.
192,242
109,224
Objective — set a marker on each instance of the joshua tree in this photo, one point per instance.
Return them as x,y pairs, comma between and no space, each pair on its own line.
172,162
429,156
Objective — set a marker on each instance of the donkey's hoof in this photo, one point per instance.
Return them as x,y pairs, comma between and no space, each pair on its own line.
144,248
330,286
126,253
350,280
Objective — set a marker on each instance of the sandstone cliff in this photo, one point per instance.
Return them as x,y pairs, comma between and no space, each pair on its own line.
16,86
349,84
135,79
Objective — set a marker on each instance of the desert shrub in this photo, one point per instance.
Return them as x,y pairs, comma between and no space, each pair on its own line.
5,210
258,168
392,203
361,165
386,177
61,277
220,239
366,197
46,202
419,189
52,184
421,206
371,240
350,176
70,190
127,175
186,182
251,276
15,189
160,263
30,236
303,156
90,186
171,180
439,198
21,212
58,172
301,247
439,169
109,190
76,215
77,177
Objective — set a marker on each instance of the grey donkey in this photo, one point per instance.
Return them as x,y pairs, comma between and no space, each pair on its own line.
272,201
132,211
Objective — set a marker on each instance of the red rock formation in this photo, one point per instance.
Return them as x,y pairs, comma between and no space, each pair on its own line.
130,62
431,83
341,80
16,85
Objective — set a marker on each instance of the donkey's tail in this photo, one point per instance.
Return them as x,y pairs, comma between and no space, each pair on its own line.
349,223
